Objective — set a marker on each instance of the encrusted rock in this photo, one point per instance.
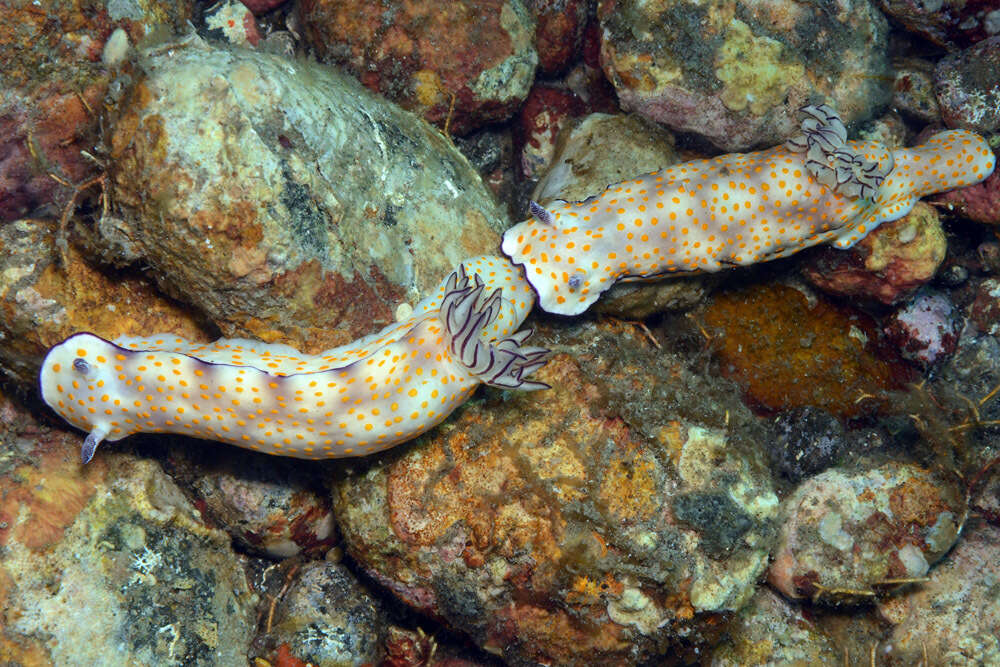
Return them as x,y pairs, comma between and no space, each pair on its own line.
43,302
272,506
968,87
110,564
613,517
465,63
737,72
953,619
54,86
926,329
284,200
848,536
772,631
324,618
886,266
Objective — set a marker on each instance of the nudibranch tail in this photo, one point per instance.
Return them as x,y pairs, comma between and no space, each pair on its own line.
735,210
349,401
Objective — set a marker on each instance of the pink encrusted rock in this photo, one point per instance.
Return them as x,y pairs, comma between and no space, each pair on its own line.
888,264
464,63
736,72
979,202
968,87
233,22
926,329
847,535
546,111
262,6
559,29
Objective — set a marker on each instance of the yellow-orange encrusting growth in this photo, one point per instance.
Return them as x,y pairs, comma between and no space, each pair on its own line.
735,210
349,401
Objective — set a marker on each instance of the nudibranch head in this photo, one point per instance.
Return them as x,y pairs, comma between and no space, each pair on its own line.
78,379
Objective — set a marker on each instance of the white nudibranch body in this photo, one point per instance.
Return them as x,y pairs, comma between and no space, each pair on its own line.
735,209
349,401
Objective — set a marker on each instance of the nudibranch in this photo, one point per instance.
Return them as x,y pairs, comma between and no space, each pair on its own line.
736,209
349,401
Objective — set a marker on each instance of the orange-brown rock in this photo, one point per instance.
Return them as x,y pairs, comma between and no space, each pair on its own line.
790,350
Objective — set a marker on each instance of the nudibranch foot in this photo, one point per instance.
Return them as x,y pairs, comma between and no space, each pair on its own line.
350,401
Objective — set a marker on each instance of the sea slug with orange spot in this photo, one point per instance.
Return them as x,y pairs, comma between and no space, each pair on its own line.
349,401
736,209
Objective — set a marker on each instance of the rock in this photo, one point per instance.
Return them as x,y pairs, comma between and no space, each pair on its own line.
984,312
772,631
262,6
54,86
848,536
272,506
926,329
979,202
954,619
283,200
580,168
109,564
44,302
886,266
613,517
913,89
560,25
324,618
424,55
737,72
789,349
545,113
806,441
232,21
968,87
949,23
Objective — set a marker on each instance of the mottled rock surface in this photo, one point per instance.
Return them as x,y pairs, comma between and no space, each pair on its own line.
737,72
465,63
54,85
773,631
954,619
968,87
325,618
272,506
609,518
848,536
110,564
284,200
886,266
43,302
950,23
